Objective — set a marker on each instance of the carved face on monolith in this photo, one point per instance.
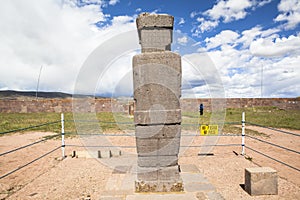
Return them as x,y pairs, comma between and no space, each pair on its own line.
157,90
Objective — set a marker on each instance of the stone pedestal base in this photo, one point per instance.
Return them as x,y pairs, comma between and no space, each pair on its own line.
166,179
158,186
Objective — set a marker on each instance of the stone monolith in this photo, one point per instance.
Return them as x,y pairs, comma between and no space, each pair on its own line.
157,117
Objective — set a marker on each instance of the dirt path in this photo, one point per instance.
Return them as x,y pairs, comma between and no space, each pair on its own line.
76,178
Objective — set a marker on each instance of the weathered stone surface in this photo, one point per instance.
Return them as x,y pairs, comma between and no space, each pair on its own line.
156,63
168,146
156,97
147,174
157,117
169,173
158,146
261,181
147,146
155,40
154,20
157,161
158,131
157,89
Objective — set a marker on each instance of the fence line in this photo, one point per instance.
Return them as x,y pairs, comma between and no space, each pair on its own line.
273,158
29,127
62,121
274,129
133,135
21,167
28,145
276,145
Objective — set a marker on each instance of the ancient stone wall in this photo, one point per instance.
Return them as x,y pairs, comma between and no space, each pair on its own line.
107,105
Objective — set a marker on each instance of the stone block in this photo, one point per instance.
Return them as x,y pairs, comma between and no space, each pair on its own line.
147,146
147,174
155,97
163,68
169,174
115,152
168,146
158,131
158,146
261,181
157,117
157,161
104,154
155,40
158,186
146,20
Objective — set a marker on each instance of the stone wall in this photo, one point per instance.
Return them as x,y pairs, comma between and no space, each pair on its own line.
106,104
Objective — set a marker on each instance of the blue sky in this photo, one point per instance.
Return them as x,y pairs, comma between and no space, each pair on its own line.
254,45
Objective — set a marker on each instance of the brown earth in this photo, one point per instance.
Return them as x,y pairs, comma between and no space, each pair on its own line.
76,178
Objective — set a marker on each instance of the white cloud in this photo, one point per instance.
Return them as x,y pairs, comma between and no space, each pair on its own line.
229,10
289,13
194,13
57,36
183,40
264,51
138,10
270,47
181,21
256,32
225,37
225,11
205,25
118,20
241,73
113,2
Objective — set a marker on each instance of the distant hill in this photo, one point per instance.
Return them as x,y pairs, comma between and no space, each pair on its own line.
10,94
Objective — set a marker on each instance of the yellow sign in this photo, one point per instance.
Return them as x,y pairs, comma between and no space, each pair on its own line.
209,129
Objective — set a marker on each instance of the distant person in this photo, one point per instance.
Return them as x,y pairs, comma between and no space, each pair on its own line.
201,108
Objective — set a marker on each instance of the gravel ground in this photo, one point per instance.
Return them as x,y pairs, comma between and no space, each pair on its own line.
78,178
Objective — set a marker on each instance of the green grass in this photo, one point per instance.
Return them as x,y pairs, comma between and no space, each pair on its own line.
267,116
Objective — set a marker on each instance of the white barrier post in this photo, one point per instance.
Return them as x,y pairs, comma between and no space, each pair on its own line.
63,135
243,133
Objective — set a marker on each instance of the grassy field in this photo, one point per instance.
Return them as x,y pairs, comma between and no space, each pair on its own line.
115,122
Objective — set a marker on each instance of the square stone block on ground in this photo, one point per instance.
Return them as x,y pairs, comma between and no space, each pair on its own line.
261,181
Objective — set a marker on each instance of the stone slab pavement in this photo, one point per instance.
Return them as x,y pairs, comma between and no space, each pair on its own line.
120,186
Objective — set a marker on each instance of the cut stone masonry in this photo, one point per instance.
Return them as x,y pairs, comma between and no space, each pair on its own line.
157,117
